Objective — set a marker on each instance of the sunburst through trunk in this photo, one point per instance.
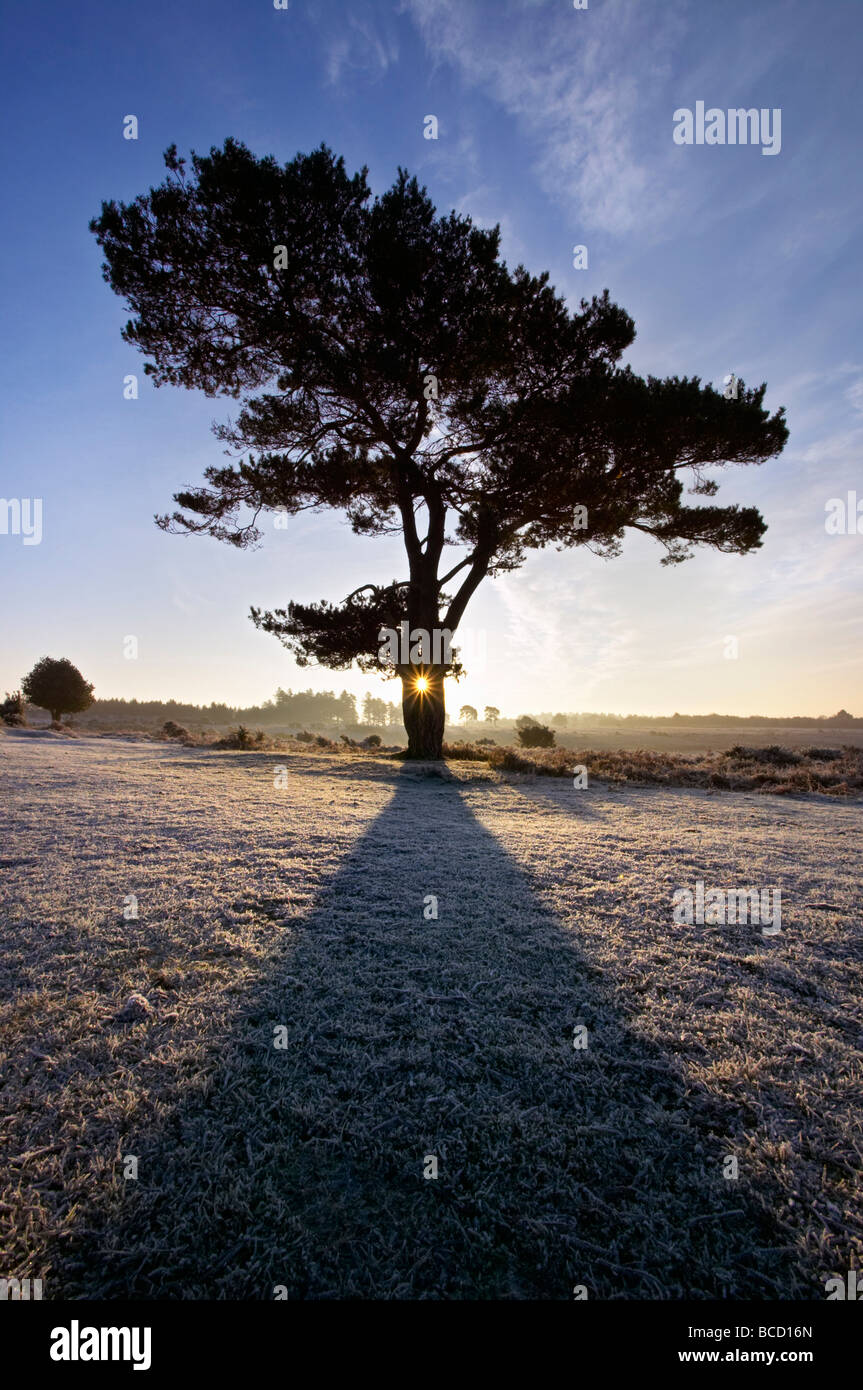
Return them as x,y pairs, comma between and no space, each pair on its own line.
423,709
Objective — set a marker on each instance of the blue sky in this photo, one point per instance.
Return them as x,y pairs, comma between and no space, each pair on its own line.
555,122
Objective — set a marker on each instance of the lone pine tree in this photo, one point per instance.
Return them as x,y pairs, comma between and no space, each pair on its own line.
391,366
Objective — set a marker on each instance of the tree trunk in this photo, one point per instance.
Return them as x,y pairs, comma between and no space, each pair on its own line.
423,710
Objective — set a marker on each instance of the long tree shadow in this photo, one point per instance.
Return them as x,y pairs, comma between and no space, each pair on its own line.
423,1125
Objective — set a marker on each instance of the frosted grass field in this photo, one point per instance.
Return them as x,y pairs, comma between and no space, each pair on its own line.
301,1168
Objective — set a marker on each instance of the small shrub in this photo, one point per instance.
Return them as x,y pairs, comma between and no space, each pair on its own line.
240,738
13,711
467,752
773,755
305,737
511,761
536,736
172,730
373,741
823,755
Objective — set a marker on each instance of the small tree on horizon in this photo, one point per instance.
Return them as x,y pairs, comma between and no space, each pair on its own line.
392,367
468,715
56,685
491,715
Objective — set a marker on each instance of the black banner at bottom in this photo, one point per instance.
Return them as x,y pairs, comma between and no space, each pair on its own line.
81,1339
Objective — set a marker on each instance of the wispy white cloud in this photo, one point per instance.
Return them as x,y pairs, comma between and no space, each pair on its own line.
454,156
580,640
564,78
854,395
357,40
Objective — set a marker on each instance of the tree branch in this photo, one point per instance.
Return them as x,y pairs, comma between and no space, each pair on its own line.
453,572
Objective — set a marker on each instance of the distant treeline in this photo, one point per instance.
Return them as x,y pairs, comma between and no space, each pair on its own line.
842,720
320,708
324,709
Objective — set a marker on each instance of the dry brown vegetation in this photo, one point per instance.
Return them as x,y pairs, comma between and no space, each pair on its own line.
783,771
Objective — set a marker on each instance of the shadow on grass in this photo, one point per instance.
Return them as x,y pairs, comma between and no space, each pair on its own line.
408,1038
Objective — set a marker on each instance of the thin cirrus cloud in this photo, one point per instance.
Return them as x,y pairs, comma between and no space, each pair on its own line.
577,638
566,79
356,42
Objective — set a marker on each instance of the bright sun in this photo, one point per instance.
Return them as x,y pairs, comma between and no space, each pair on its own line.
422,684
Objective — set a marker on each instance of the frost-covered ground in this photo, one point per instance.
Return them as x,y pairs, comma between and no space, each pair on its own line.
301,909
